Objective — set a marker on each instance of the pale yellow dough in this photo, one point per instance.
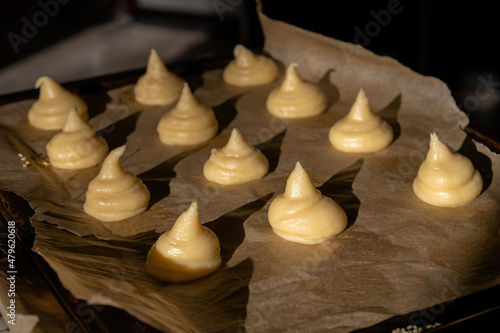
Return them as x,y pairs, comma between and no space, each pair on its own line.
302,214
188,252
361,131
236,163
249,69
296,98
445,178
158,86
115,194
188,123
77,146
49,112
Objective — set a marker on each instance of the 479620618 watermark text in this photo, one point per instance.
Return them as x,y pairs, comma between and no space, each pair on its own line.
11,272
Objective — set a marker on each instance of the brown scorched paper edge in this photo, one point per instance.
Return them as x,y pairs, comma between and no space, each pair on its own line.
397,254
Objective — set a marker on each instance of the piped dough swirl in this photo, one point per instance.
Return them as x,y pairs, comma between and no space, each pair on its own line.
77,146
249,69
158,86
302,214
187,252
236,163
296,98
115,194
445,178
361,131
51,109
188,123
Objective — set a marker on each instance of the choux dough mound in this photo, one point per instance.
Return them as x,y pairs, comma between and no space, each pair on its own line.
302,214
49,112
188,123
249,69
188,252
296,98
445,178
115,194
158,86
77,146
361,131
236,163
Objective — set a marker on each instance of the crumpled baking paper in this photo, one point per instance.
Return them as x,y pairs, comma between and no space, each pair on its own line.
397,254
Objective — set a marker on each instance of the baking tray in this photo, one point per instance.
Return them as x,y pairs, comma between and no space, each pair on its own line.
74,314
474,313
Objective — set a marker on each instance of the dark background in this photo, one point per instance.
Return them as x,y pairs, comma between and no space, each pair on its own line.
454,41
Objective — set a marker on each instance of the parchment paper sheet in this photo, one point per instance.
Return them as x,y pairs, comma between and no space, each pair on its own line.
397,255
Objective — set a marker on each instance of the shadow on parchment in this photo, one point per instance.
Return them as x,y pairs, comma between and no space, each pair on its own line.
229,227
226,112
331,91
272,150
116,134
339,188
217,302
157,179
480,161
193,73
390,114
96,97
